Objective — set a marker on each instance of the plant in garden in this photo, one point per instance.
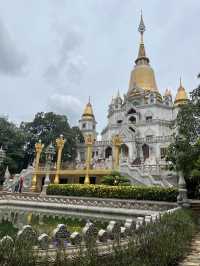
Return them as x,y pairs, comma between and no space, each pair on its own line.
115,179
162,243
184,152
120,192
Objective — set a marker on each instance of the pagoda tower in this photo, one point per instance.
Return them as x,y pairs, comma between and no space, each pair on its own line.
87,123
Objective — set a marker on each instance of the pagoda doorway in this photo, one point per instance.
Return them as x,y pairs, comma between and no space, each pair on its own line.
108,152
145,150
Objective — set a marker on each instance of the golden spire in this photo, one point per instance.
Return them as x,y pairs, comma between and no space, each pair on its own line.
142,76
141,52
181,96
141,27
88,111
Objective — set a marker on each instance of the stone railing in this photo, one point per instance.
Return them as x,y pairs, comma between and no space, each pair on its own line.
129,204
152,169
72,242
148,139
154,121
156,139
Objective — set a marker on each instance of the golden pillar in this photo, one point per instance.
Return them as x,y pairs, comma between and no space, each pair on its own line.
116,141
60,142
38,148
89,141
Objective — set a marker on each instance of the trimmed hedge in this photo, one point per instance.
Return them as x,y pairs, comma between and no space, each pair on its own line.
119,192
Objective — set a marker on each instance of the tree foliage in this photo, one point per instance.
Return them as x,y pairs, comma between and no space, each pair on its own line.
47,127
19,142
184,152
12,140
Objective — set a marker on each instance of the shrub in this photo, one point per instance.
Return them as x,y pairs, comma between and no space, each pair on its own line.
162,243
120,192
115,179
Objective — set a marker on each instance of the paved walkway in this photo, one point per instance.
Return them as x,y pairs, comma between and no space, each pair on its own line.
193,258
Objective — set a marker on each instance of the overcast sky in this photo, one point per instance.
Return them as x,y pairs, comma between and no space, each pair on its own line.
54,54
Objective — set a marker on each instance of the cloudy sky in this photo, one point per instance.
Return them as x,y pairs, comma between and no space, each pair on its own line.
54,54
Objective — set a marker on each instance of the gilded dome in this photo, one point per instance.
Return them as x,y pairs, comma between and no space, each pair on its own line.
142,76
181,96
88,112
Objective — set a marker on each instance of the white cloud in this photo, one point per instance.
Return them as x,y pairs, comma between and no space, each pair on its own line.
66,105
12,61
69,64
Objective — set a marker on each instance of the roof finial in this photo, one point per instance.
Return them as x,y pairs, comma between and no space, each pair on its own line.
141,52
141,27
181,82
89,100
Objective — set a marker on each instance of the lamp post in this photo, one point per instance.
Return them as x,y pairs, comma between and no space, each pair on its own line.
38,148
50,152
182,198
89,141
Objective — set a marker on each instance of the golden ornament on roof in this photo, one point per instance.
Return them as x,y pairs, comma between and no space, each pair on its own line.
142,76
181,96
88,111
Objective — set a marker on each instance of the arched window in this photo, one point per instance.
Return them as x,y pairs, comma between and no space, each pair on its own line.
145,150
131,111
151,98
108,152
132,119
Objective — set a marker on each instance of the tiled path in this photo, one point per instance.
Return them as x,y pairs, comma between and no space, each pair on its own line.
193,258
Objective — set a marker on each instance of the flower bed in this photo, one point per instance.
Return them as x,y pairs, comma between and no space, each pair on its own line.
120,192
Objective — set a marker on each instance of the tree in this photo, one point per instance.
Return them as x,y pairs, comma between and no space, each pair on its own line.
115,179
184,152
12,139
47,127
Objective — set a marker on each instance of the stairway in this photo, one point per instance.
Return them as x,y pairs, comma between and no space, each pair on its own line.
136,176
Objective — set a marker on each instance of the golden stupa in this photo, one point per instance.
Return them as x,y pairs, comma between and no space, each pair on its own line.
181,96
142,76
88,111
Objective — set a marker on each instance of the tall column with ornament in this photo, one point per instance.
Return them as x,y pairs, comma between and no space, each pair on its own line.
50,152
117,142
60,142
89,141
38,148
